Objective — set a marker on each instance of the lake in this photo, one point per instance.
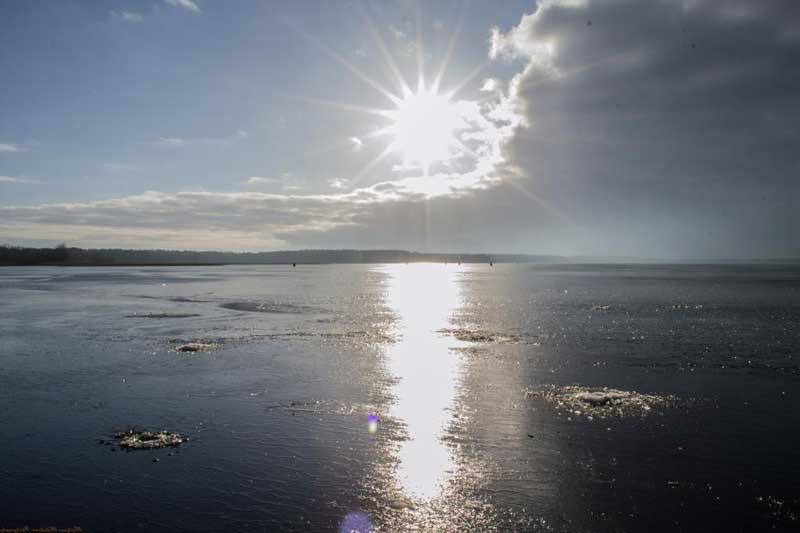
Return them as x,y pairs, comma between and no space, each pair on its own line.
423,397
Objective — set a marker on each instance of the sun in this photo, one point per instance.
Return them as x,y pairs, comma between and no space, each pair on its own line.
428,128
424,127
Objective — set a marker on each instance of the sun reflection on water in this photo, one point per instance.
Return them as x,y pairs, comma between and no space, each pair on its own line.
423,297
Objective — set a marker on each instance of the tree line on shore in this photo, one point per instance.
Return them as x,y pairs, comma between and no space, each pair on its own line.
64,255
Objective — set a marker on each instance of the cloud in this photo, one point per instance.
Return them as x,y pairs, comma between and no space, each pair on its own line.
127,16
258,180
12,179
264,217
357,143
213,214
658,128
337,183
286,181
490,85
185,4
171,141
5,147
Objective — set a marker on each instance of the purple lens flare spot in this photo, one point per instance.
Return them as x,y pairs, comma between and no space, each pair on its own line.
357,522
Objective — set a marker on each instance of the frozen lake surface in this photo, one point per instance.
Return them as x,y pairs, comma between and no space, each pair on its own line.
421,397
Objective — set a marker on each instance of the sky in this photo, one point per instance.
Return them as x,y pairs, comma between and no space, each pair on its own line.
629,128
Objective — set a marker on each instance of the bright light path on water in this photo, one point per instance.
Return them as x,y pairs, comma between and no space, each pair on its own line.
423,297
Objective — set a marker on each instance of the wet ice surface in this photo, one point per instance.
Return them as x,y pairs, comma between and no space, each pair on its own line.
197,347
407,397
266,307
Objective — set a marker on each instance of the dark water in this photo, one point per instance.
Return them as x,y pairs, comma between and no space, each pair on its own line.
278,413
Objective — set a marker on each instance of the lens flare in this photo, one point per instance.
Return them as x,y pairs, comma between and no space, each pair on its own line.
373,421
357,522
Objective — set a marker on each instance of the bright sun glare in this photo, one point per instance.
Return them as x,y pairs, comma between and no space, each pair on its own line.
424,127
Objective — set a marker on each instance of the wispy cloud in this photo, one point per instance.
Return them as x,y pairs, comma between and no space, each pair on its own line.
212,216
7,147
17,179
490,85
259,180
185,4
286,181
171,141
357,143
337,183
127,16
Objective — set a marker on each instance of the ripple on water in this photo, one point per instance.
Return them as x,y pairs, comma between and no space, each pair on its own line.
345,336
176,299
163,315
780,511
329,407
267,307
457,510
197,347
482,336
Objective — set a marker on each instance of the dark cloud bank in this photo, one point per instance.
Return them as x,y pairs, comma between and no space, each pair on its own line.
660,129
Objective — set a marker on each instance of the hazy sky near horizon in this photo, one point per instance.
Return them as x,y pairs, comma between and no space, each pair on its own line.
659,128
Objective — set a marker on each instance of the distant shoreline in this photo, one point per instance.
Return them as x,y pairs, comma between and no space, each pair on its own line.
64,256
68,256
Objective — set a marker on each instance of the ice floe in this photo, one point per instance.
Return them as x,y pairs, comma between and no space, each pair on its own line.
148,440
599,402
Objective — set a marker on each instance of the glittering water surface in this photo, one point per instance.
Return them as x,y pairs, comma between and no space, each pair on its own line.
423,297
422,397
